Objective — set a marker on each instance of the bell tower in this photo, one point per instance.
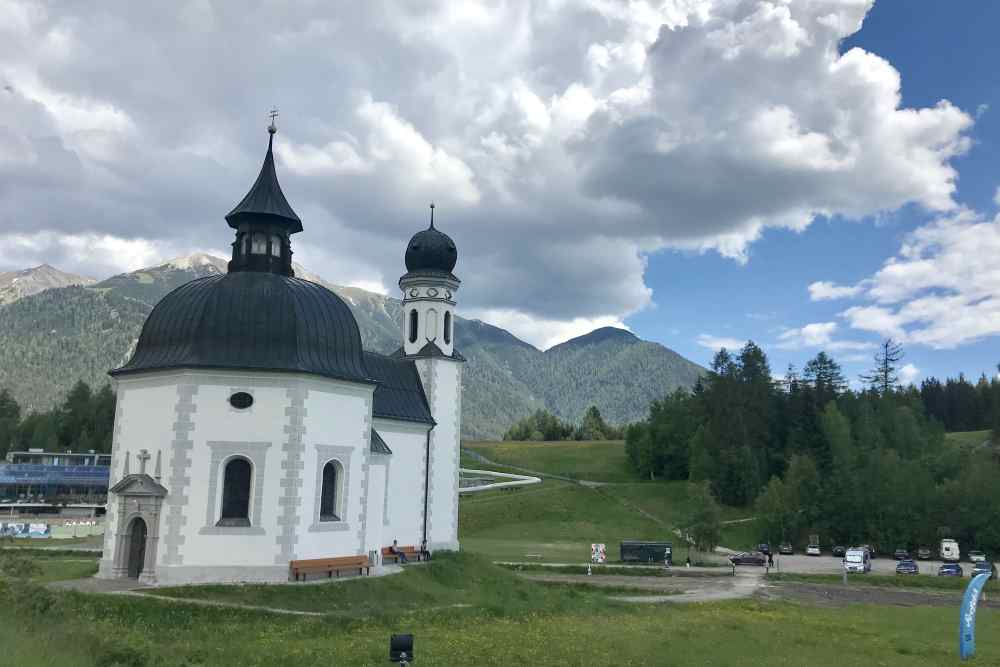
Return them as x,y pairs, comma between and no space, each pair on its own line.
429,288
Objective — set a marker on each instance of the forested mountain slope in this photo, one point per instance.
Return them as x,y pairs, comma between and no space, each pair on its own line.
51,339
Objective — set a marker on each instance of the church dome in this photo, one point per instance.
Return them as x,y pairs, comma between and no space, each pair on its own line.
251,320
431,250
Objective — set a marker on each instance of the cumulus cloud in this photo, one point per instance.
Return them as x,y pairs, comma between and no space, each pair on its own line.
716,343
819,335
558,165
942,289
908,374
826,291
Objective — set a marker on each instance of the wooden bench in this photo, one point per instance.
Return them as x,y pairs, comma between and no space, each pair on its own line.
329,566
411,554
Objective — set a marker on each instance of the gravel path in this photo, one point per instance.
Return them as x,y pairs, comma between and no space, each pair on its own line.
679,589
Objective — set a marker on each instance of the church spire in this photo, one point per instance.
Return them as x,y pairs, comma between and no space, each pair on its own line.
266,201
264,221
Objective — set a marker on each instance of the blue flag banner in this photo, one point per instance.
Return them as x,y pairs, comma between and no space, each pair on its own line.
967,616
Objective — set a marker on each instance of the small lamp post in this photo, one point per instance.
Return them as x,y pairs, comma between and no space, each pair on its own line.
401,649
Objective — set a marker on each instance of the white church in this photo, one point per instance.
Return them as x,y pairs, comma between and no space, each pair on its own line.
252,429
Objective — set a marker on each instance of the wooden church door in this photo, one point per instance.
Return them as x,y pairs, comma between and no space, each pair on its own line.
136,548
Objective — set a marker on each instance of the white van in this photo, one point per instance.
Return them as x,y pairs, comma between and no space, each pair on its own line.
858,559
949,551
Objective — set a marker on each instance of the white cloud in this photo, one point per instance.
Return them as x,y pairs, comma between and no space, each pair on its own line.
826,291
718,342
558,164
908,374
942,289
542,333
818,335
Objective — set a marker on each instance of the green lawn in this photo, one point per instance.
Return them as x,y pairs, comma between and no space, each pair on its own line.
551,522
968,438
600,461
510,622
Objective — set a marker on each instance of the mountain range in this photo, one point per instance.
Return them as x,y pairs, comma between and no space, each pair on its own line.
57,328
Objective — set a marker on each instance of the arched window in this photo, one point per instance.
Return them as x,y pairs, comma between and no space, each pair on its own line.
413,325
447,327
236,493
328,496
259,244
432,323
276,246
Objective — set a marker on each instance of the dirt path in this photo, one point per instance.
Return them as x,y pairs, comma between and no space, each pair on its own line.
833,595
678,589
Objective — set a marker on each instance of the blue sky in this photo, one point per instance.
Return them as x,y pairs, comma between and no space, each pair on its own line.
943,51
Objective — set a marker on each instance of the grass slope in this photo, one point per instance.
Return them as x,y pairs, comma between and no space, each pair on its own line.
557,521
602,461
967,438
529,624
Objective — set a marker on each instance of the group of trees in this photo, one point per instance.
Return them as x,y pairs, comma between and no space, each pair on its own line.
816,457
83,421
961,405
543,425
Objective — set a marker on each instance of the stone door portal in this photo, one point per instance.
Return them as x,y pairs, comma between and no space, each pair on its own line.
137,500
136,547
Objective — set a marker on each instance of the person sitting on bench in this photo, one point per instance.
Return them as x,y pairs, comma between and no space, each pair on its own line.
396,551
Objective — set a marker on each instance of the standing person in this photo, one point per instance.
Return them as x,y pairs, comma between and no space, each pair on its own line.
770,559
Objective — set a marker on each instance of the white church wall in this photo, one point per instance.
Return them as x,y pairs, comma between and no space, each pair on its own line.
404,486
337,428
374,541
141,422
221,432
442,383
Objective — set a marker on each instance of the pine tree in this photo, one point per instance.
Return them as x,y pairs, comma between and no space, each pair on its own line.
825,377
884,377
10,417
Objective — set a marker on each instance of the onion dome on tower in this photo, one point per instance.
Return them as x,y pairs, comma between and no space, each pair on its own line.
259,316
431,250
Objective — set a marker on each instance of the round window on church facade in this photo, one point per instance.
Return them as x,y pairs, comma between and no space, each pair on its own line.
241,400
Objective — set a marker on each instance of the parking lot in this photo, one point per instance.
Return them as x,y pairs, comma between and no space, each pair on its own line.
827,564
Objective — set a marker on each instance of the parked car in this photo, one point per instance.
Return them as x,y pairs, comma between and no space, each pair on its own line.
949,550
907,566
870,548
977,556
951,570
838,551
813,550
857,560
901,554
786,549
748,558
764,548
924,553
984,567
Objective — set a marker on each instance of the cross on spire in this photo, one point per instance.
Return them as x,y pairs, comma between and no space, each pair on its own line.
432,215
143,457
273,127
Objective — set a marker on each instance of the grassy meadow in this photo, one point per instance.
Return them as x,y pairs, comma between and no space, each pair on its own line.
967,438
464,610
557,521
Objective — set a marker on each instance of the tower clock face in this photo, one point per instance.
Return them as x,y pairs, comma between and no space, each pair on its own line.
414,292
432,292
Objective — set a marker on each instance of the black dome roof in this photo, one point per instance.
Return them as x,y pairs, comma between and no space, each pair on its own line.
251,320
431,250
